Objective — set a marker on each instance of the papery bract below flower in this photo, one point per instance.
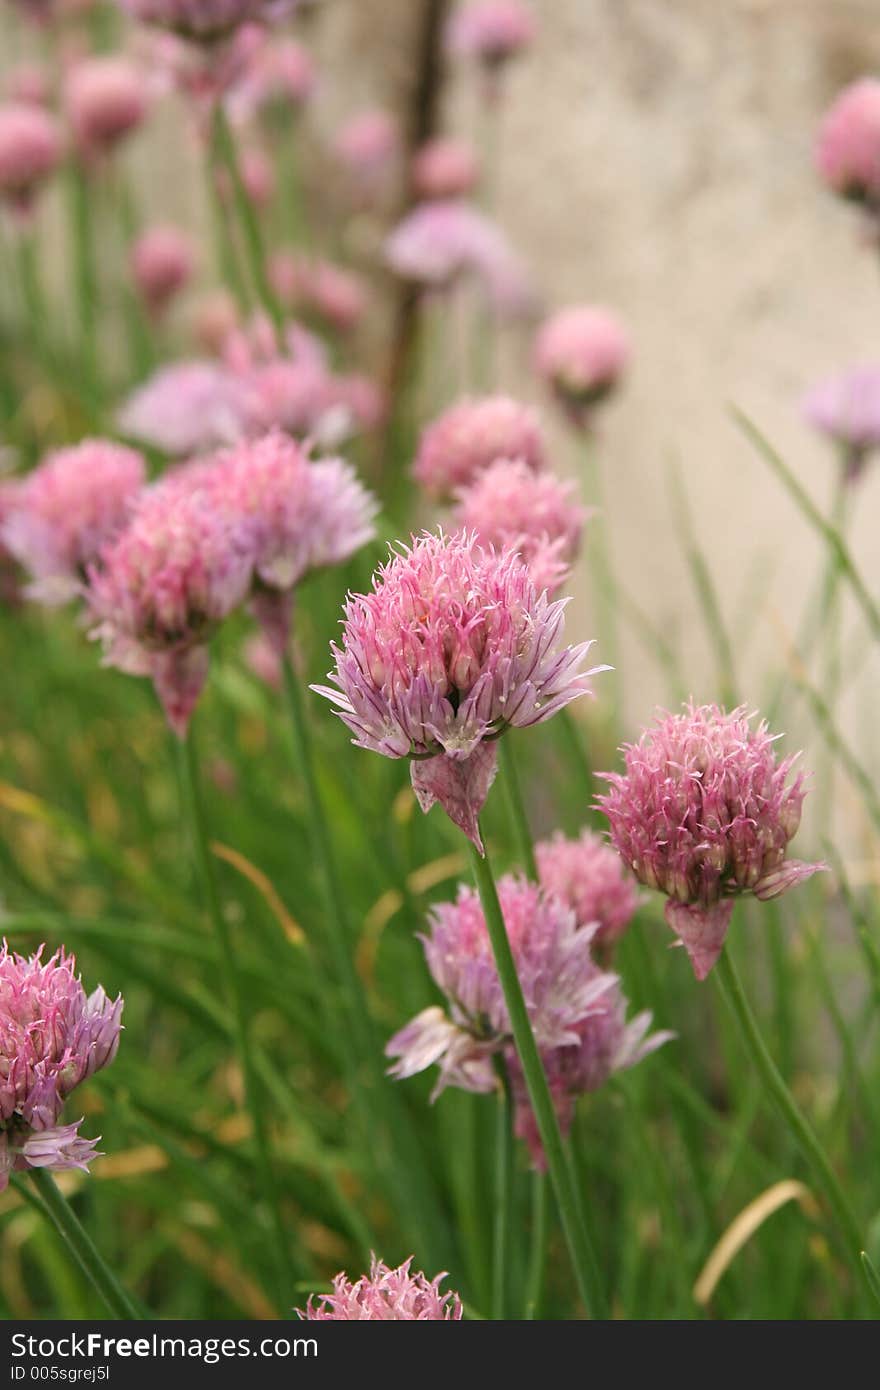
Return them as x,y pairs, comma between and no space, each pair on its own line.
444,168
452,646
848,144
847,409
581,352
30,150
385,1295
188,408
470,436
52,1037
703,812
511,506
66,509
163,587
590,877
162,262
438,242
106,99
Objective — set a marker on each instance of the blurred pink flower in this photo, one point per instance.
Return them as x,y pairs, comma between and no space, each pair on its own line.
581,353
590,878
330,292
510,506
472,435
491,31
848,143
216,316
385,1295
703,812
452,647
367,145
52,1037
444,168
280,73
188,408
257,176
162,263
29,82
846,407
30,150
63,512
106,99
439,242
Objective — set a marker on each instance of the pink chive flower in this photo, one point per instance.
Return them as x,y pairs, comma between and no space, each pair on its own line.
106,99
257,176
66,510
511,506
205,20
330,292
30,150
163,587
590,878
279,76
453,646
444,168
162,263
53,1036
440,242
491,31
472,435
28,82
367,145
581,353
187,408
848,144
846,408
384,1296
703,813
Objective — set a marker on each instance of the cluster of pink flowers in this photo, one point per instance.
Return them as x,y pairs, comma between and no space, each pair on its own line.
30,150
846,408
453,645
61,515
581,353
576,1010
590,878
703,812
457,447
385,1295
52,1038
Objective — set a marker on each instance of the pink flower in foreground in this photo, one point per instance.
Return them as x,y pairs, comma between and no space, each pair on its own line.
492,31
30,149
188,408
106,99
590,878
439,242
510,506
162,262
452,647
581,353
164,586
52,1037
384,1296
848,144
472,435
444,168
703,813
67,509
198,19
847,409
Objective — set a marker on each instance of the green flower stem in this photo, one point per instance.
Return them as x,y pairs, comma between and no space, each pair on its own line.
224,145
826,1179
583,1260
253,1099
599,556
55,1205
85,273
501,1198
537,1250
516,807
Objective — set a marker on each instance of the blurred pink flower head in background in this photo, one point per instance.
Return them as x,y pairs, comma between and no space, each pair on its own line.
703,812
472,435
510,506
187,408
162,263
331,292
278,75
444,168
581,353
106,99
367,146
29,82
52,1038
848,143
439,242
66,509
492,31
385,1295
452,646
216,316
30,150
590,878
846,408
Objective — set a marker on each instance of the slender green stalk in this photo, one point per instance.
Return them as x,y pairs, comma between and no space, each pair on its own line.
583,1260
501,1200
224,144
85,273
704,587
841,750
599,557
776,1089
253,1099
537,1246
56,1207
516,808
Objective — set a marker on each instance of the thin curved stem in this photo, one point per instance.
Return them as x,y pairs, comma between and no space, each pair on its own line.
224,144
516,807
537,1249
55,1205
583,1260
501,1200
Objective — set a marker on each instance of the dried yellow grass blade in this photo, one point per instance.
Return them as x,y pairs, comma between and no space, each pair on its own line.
744,1226
265,887
223,1272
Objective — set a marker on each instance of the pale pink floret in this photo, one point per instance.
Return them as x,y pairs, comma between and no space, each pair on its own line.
106,99
30,150
65,510
581,353
52,1037
164,586
847,409
512,507
444,168
848,144
452,647
385,1295
198,19
704,813
439,242
491,31
162,263
188,408
367,144
589,876
472,435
